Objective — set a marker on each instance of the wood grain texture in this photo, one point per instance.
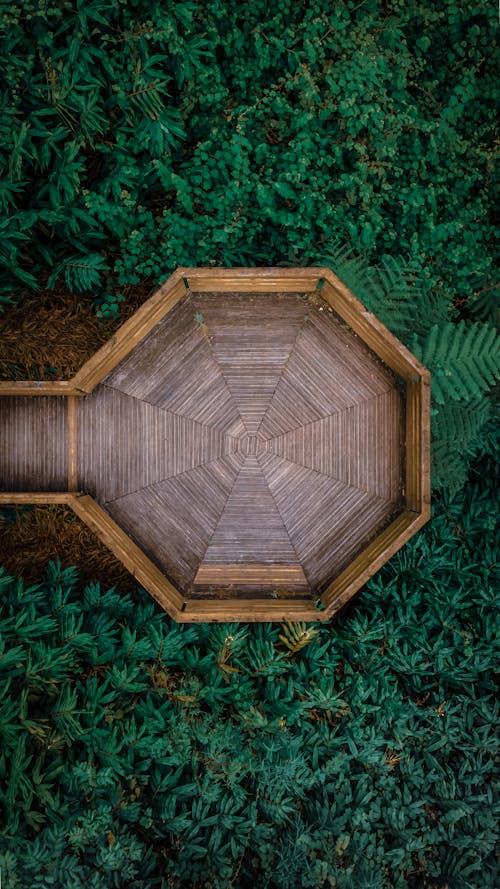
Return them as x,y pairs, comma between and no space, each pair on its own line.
125,444
174,519
418,458
251,337
329,371
250,611
327,520
243,280
173,368
72,402
33,444
38,387
341,445
251,532
238,440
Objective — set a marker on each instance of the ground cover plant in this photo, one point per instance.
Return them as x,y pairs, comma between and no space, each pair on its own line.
136,137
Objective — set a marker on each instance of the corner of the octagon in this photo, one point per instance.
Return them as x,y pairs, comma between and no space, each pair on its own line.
130,333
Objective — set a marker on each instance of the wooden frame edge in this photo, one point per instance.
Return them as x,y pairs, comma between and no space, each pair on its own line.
373,557
375,334
250,611
418,449
39,387
258,279
130,333
128,553
34,498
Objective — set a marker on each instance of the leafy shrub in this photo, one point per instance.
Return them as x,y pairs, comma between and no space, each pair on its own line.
140,752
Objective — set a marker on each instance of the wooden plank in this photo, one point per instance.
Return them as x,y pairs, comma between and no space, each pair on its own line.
72,444
250,530
279,576
257,280
359,446
251,337
174,519
329,370
327,520
388,348
418,490
33,444
125,444
250,610
175,369
39,387
134,559
33,497
370,560
130,333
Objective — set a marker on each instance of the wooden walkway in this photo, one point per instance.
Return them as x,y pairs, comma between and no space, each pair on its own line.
250,444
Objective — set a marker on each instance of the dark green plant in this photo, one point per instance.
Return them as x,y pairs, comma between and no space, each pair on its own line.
137,751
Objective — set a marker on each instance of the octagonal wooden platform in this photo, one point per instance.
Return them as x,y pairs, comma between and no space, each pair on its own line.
252,443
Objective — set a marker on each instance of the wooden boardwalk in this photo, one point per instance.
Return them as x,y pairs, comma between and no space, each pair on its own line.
249,444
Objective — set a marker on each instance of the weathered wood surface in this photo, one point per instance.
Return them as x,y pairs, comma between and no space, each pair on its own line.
250,442
33,444
381,548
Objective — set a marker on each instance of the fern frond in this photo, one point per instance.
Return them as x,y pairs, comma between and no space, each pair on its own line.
297,635
464,360
81,272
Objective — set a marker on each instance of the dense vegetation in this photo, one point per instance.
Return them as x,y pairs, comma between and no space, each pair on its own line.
135,137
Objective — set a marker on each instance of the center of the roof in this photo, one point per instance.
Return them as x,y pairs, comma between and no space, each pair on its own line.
251,445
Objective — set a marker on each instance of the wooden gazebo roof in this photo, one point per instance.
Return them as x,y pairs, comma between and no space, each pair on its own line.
252,444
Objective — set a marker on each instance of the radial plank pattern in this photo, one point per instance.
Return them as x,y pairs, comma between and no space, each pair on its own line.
250,443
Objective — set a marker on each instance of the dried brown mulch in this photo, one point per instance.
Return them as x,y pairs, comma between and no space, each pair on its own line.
40,533
51,335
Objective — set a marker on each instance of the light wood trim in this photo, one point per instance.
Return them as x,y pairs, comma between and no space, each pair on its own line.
249,610
14,498
39,387
370,560
121,545
130,333
257,280
281,575
388,348
418,481
72,444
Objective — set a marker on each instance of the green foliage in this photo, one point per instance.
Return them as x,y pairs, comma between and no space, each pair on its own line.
211,132
465,360
140,752
135,137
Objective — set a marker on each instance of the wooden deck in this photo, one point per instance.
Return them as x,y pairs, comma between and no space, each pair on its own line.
251,444
33,444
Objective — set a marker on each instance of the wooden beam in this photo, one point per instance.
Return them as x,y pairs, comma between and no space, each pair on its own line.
418,457
388,348
256,280
370,560
249,610
134,559
130,333
15,498
39,387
